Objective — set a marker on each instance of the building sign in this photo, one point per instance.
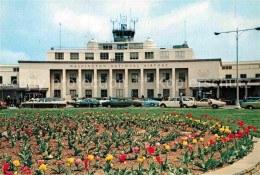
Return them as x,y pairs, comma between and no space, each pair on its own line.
145,65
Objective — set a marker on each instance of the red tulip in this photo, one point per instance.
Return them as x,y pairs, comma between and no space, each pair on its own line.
40,162
8,173
211,142
150,149
123,157
6,167
135,149
159,160
86,164
30,131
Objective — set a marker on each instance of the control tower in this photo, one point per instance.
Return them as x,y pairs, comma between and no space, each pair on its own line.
122,33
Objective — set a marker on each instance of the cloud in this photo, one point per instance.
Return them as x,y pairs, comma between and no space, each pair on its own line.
9,57
95,25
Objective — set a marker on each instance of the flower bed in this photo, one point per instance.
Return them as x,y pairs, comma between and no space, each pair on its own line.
123,143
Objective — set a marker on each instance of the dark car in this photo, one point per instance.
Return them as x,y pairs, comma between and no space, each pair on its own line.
86,103
122,103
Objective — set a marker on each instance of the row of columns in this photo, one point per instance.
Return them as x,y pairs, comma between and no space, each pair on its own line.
95,86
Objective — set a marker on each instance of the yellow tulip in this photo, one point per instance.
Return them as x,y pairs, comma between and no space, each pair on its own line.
221,129
16,163
194,141
185,143
90,157
43,167
201,139
70,160
109,157
167,147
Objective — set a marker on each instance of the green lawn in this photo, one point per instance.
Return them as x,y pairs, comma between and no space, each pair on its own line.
250,117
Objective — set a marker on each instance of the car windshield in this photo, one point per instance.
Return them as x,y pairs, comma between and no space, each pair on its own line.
204,100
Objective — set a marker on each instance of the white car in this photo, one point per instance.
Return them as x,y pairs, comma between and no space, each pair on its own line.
106,99
175,102
205,102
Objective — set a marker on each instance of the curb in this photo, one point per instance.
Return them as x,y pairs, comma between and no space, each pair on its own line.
248,165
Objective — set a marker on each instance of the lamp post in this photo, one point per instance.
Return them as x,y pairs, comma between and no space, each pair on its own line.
237,35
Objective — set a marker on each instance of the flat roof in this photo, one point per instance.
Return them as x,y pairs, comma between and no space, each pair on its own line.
150,61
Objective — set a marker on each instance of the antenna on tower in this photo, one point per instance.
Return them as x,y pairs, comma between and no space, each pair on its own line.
113,21
60,35
185,31
134,20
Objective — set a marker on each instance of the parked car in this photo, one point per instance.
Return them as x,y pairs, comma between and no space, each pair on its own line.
44,103
122,103
249,99
175,102
106,99
251,105
213,103
228,101
86,103
149,102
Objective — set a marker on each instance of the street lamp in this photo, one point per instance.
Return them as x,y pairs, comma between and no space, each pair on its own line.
237,32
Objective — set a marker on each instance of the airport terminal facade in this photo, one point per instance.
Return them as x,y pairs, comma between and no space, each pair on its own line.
125,68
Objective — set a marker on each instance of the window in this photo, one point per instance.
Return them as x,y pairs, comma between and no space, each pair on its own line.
150,77
150,93
103,78
134,77
148,55
1,79
166,77
119,78
135,45
89,56
228,76
73,93
164,54
59,56
119,56
56,78
122,46
88,93
74,56
226,67
88,78
105,46
73,78
134,93
133,55
182,92
166,92
13,80
179,54
57,93
242,75
16,69
104,56
103,93
182,77
119,93
257,75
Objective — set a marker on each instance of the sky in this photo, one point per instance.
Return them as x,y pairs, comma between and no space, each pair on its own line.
28,28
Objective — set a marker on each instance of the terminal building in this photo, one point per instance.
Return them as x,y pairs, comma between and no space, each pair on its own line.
126,68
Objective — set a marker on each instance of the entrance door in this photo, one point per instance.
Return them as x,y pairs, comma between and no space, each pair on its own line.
134,93
166,93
